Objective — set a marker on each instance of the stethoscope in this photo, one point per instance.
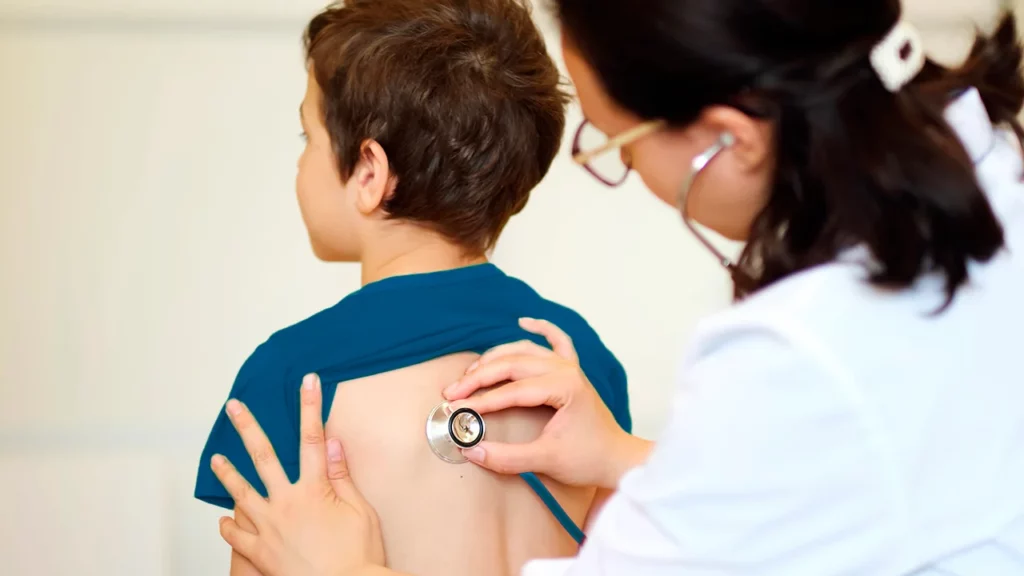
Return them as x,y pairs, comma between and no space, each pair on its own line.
449,432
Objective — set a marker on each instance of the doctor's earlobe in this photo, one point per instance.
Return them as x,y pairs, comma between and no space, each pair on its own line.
748,139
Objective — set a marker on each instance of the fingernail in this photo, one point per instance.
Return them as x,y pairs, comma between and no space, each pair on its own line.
474,454
308,381
472,366
525,319
456,405
223,519
218,460
448,391
334,450
235,407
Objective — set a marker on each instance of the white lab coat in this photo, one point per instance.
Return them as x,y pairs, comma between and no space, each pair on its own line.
826,427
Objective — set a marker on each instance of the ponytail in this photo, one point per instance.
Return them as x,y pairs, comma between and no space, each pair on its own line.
860,166
994,69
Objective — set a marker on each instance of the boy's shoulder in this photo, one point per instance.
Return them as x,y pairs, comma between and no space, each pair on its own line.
303,338
567,319
328,320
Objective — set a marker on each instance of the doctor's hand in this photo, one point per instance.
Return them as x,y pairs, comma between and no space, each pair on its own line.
319,526
581,445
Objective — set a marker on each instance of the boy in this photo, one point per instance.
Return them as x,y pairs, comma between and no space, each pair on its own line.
428,123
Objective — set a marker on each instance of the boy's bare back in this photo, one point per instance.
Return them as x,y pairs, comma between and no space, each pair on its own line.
439,518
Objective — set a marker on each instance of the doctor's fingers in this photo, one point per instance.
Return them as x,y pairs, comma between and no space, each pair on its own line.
312,459
245,496
547,390
245,543
501,370
339,476
521,348
560,342
511,458
240,540
258,446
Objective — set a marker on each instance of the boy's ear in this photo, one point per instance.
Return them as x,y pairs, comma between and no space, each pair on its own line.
372,178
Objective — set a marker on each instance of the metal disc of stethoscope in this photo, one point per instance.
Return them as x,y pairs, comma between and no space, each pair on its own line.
449,432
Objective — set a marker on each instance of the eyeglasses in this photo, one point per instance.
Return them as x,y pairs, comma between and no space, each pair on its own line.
612,169
592,150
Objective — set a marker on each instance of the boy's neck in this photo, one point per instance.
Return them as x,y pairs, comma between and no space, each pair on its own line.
400,254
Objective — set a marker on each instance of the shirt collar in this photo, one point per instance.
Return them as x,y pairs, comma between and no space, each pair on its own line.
969,119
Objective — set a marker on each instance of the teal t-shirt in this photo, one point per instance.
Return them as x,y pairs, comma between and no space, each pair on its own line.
395,323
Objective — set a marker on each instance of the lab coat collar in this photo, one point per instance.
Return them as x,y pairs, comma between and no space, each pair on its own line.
994,150
969,119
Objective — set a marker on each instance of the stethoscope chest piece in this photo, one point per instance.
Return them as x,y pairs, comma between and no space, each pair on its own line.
450,431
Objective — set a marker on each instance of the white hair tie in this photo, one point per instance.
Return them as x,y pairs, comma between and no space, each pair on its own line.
899,57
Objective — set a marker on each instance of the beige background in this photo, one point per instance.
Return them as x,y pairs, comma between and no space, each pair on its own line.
149,240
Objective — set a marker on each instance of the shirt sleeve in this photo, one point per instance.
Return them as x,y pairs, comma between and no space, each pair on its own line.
617,380
768,466
262,385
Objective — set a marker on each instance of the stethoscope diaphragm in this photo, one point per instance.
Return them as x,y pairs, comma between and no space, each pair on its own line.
450,431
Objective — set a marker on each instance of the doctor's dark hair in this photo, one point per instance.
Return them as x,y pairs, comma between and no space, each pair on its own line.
856,164
461,95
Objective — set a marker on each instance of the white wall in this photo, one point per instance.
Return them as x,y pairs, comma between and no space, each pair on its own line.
150,240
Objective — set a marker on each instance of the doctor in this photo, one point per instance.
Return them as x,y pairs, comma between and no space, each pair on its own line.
860,410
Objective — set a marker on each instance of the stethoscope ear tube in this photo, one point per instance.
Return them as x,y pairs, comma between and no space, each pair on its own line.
699,163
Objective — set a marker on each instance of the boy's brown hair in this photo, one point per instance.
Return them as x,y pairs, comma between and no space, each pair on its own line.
461,95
